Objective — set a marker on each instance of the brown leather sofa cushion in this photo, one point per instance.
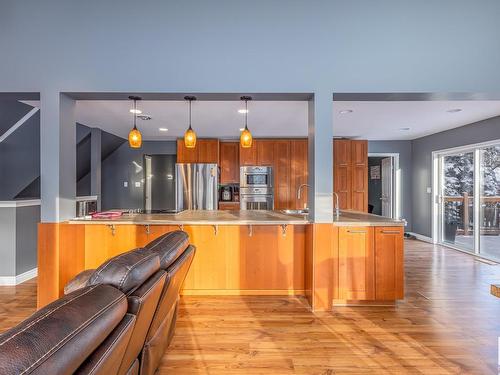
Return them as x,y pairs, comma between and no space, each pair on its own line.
79,281
162,327
107,358
58,338
169,247
127,271
143,303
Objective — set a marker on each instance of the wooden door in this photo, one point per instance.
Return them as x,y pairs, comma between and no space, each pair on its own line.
208,151
265,152
359,182
281,170
356,263
248,156
229,163
389,264
184,154
298,172
342,171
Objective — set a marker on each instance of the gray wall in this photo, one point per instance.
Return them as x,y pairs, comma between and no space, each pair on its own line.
262,46
27,219
403,148
20,158
8,241
126,164
482,131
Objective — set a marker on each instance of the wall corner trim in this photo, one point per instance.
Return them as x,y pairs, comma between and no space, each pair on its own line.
16,280
421,237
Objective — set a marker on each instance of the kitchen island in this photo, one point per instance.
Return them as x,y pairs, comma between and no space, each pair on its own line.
242,253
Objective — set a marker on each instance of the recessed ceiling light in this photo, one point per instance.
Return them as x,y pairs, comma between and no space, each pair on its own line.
404,129
163,129
454,110
136,111
346,111
243,111
241,129
144,117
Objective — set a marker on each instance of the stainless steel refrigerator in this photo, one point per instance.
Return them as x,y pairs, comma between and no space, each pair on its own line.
196,186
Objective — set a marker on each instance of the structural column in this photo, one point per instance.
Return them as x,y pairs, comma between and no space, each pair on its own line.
320,138
95,165
57,156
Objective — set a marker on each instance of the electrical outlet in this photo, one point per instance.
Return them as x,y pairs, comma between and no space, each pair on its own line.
138,184
125,183
429,190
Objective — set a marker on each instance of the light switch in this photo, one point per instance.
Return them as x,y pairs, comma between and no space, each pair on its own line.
138,184
125,183
429,190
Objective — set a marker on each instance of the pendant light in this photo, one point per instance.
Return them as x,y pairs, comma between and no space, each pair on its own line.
135,136
190,135
246,137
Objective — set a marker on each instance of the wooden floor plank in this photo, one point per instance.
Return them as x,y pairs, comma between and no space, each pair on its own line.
447,324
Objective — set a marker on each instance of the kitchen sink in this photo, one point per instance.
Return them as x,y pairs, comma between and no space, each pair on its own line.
296,212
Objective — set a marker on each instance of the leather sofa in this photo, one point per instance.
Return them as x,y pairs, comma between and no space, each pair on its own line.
117,319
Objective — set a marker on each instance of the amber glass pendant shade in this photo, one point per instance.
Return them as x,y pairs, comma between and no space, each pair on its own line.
190,138
135,138
246,138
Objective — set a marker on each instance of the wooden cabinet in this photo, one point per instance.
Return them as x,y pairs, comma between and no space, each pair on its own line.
229,162
281,170
265,151
298,172
356,263
206,151
350,173
389,265
229,205
248,156
288,157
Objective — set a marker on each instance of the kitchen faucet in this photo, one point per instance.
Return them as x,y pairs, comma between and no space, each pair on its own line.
300,189
337,209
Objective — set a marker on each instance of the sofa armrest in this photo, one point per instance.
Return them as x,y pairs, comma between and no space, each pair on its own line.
79,281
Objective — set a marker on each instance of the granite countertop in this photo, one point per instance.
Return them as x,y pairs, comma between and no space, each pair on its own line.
203,217
237,217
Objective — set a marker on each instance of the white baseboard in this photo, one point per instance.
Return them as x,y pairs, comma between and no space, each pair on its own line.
16,280
421,237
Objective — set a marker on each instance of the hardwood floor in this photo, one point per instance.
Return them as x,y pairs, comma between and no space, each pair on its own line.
447,324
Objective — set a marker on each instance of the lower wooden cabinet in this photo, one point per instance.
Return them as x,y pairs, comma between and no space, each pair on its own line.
356,263
389,263
370,264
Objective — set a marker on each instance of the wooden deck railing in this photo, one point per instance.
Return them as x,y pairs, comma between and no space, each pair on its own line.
491,212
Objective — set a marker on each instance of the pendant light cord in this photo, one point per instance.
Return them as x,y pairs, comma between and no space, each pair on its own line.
190,113
135,113
246,114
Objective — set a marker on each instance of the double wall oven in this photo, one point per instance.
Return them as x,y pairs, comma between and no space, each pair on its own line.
256,188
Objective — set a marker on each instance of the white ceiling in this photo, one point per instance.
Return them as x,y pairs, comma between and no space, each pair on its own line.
375,120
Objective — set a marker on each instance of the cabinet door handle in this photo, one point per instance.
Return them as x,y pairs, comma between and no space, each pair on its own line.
391,232
356,231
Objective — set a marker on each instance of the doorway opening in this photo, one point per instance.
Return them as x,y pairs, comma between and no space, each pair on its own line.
383,184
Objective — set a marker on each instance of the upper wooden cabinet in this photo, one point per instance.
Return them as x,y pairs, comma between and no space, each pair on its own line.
248,156
206,151
298,172
229,162
350,173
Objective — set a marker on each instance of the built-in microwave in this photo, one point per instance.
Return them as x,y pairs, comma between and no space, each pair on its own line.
256,176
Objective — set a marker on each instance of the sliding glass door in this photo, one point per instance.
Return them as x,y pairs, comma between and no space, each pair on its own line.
489,205
457,190
469,199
